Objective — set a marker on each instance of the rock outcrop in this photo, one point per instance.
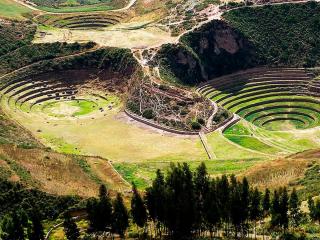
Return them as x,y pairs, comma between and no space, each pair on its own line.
210,51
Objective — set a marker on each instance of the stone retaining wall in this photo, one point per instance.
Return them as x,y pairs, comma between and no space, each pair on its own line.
158,126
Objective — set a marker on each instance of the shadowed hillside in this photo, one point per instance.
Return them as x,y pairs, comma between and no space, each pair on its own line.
278,35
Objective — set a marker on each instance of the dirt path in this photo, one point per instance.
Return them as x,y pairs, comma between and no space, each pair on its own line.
28,5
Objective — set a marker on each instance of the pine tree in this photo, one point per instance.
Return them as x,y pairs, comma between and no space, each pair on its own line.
284,218
104,209
7,228
99,211
275,210
294,208
155,199
245,201
255,207
180,214
35,231
70,228
120,218
223,194
236,205
314,208
266,203
212,212
138,208
93,214
201,182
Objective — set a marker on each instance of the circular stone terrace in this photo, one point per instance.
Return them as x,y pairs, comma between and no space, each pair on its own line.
273,99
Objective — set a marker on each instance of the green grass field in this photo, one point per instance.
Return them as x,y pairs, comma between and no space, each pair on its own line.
88,8
141,173
12,10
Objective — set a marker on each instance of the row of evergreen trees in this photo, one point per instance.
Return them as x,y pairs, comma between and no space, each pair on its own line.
186,205
180,205
21,225
183,205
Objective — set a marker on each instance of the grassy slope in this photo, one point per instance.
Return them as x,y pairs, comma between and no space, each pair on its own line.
63,6
15,35
247,135
29,54
12,10
286,34
88,8
299,170
282,35
52,172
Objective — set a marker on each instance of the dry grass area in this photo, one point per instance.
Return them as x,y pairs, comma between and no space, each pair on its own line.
282,171
310,154
277,173
60,173
138,37
109,134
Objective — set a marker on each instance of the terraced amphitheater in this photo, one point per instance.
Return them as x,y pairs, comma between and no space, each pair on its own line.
82,21
28,93
270,98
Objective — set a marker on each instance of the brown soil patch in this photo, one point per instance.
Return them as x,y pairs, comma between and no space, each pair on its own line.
60,173
277,173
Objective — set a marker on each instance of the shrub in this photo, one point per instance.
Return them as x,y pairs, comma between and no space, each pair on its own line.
195,125
201,121
293,236
133,107
148,113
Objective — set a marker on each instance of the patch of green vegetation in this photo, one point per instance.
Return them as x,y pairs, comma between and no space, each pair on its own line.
5,173
178,65
297,24
15,196
238,129
142,173
310,182
79,107
87,169
11,10
85,107
38,52
89,8
205,3
78,5
60,145
132,173
23,174
15,35
11,133
220,145
252,143
45,28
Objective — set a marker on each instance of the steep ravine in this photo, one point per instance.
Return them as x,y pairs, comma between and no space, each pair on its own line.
212,50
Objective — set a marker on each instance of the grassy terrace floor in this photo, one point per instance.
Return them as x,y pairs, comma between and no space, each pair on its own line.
134,149
79,126
88,8
279,109
12,10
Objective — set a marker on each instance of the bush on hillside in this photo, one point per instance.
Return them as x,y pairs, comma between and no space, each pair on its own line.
148,114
